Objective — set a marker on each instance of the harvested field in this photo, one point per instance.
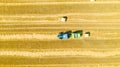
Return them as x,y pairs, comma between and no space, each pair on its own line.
29,29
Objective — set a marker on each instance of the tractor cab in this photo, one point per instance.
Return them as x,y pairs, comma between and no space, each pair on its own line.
64,35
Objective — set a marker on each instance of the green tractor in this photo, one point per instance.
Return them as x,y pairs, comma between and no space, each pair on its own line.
76,34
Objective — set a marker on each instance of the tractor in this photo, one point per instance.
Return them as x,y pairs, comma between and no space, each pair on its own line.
70,34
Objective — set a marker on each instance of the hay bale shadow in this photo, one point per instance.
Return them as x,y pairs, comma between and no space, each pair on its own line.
88,33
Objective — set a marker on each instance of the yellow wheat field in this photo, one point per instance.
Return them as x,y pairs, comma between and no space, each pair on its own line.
29,29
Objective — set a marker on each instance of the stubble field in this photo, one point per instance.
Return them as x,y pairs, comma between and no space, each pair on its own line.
29,29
